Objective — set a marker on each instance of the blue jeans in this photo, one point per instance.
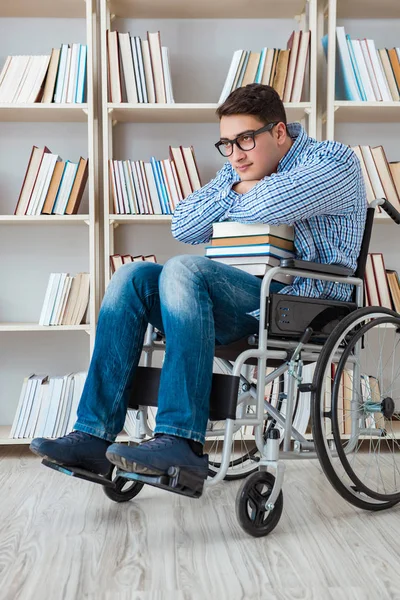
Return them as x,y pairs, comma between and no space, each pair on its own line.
197,303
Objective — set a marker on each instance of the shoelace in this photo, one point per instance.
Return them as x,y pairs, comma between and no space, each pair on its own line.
159,441
76,436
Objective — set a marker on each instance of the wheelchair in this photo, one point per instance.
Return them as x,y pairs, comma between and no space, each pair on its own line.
353,396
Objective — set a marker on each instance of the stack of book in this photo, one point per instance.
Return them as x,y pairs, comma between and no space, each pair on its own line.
363,72
50,185
284,70
252,248
153,188
381,178
66,299
60,77
138,70
47,406
117,260
382,287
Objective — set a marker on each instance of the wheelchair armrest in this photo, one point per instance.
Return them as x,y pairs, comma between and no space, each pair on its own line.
294,263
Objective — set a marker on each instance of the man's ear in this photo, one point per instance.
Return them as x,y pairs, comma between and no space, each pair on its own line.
281,133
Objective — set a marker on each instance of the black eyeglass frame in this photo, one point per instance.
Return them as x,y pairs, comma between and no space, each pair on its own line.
250,133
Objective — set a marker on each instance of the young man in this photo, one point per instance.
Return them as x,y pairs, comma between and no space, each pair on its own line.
274,174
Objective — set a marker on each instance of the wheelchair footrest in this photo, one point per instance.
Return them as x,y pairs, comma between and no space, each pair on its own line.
177,480
79,473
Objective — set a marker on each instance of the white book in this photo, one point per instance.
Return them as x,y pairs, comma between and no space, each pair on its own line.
66,292
45,398
234,229
46,299
147,204
60,407
388,93
73,74
377,187
39,184
81,79
52,160
10,81
385,93
62,65
4,70
26,407
124,190
21,401
231,76
153,189
33,73
127,67
256,250
118,182
156,61
259,270
167,75
370,69
66,408
191,168
138,186
26,69
148,73
79,382
19,64
141,68
56,390
43,65
58,298
113,62
37,408
362,67
137,71
32,406
52,299
66,76
129,186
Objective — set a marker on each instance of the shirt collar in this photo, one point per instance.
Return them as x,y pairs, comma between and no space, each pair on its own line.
299,137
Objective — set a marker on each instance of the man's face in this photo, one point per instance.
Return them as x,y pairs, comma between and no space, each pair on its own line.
263,159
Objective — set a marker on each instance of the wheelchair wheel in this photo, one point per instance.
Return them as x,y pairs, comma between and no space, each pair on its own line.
356,408
252,511
124,489
244,453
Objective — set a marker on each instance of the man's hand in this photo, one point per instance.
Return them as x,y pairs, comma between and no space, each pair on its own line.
245,186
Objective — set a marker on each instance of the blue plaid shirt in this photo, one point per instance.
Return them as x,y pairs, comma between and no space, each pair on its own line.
318,188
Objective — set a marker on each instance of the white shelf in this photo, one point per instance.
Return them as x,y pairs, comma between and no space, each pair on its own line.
41,113
184,113
36,327
43,8
206,9
368,9
366,112
43,219
152,219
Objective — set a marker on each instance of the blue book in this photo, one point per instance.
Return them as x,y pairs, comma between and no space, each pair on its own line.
345,81
81,78
261,64
355,68
243,70
153,163
164,188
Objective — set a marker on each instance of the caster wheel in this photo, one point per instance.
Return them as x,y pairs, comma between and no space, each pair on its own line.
124,489
251,501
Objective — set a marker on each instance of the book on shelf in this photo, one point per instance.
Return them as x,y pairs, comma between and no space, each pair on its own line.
50,185
283,69
377,287
47,406
364,72
253,248
138,70
117,260
155,187
381,178
394,288
66,299
59,77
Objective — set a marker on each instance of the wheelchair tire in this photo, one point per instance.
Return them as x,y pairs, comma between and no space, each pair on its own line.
251,500
335,465
124,489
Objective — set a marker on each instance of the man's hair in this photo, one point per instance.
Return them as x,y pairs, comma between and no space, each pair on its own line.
261,101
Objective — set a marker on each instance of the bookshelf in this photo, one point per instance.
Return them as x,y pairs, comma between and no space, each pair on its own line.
138,131
38,245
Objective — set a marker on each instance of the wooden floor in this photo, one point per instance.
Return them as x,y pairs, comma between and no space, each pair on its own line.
61,538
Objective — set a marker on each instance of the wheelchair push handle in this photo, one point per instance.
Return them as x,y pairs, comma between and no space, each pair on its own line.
388,208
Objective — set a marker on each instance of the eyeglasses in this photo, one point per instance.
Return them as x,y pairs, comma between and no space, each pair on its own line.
245,141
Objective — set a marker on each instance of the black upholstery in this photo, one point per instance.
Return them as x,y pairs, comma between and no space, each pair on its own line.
294,263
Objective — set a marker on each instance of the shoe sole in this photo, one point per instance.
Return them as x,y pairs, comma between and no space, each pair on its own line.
132,467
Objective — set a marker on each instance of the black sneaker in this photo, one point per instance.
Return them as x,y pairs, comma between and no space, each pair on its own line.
77,449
